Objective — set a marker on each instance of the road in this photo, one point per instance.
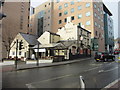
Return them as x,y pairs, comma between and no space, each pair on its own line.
96,75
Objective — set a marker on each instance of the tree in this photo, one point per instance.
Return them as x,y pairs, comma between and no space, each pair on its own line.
8,45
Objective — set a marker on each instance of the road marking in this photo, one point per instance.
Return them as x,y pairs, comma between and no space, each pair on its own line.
111,84
91,69
29,86
102,71
111,69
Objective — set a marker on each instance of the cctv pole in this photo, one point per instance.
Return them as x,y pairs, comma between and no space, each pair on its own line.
16,53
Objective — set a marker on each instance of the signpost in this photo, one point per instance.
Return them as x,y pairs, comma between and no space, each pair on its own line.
20,47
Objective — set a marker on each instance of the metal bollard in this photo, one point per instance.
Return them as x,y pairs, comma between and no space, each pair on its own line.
82,83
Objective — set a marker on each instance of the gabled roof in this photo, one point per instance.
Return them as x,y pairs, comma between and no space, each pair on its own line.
53,33
31,39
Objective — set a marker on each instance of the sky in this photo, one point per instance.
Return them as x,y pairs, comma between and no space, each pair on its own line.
111,4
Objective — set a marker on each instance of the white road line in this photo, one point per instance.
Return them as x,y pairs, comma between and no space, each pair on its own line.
29,86
102,71
91,69
111,84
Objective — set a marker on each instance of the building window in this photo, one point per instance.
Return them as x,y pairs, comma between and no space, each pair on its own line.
98,9
102,28
80,24
99,35
45,5
87,4
65,20
95,14
60,7
72,18
79,0
79,16
88,23
13,53
58,1
60,28
96,33
20,52
65,12
48,10
101,20
99,25
60,21
60,14
96,24
65,5
79,7
88,14
95,6
98,17
72,10
49,3
72,2
30,30
48,17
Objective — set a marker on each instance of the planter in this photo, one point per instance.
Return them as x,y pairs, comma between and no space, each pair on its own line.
40,61
46,61
31,61
10,62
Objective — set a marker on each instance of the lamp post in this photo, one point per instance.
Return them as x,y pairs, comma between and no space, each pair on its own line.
38,55
2,16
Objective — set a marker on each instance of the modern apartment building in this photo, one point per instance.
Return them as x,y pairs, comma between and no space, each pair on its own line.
16,20
108,29
88,14
51,16
43,17
32,10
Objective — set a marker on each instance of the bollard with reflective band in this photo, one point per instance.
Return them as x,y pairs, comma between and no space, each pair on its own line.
82,83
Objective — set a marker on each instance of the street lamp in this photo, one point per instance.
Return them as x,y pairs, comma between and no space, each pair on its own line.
2,16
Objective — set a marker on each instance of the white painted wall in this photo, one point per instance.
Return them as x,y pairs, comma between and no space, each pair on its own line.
44,38
69,32
13,49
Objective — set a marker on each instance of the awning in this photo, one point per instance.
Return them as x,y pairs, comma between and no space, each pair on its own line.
53,45
40,50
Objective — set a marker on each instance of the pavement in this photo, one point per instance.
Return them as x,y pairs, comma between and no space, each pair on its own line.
8,68
113,85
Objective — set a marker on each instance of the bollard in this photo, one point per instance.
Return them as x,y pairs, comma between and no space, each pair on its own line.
82,83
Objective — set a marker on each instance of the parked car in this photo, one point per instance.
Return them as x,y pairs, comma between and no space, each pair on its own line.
104,56
116,52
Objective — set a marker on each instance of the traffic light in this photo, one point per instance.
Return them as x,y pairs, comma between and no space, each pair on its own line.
20,45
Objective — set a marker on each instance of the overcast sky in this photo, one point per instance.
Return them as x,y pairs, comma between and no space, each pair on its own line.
111,4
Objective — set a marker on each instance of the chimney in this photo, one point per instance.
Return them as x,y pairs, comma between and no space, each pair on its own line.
68,19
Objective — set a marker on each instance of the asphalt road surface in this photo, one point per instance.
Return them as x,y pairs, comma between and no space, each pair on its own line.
95,74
